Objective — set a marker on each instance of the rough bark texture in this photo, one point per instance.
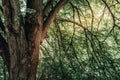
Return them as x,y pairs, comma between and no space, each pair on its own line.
21,50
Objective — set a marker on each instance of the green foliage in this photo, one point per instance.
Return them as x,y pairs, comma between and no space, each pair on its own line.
78,57
31,11
75,53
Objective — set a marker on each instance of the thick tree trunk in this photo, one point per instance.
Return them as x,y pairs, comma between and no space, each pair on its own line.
23,63
24,53
18,51
24,49
23,40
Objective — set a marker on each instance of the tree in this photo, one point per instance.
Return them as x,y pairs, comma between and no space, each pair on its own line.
20,49
25,26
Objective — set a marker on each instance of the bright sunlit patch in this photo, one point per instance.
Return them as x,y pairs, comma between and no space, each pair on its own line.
98,16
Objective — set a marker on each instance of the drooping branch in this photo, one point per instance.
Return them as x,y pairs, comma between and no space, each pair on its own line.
70,21
113,18
110,11
92,14
52,14
78,24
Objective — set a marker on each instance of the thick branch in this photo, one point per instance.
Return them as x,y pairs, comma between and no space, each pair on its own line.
52,14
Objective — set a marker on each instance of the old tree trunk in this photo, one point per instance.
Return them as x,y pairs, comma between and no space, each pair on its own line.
20,51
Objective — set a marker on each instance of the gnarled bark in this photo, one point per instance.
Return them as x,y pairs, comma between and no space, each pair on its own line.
23,40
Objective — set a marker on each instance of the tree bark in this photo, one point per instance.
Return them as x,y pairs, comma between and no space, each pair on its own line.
24,40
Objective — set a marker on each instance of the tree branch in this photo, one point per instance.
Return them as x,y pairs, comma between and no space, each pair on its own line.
113,18
52,14
67,20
